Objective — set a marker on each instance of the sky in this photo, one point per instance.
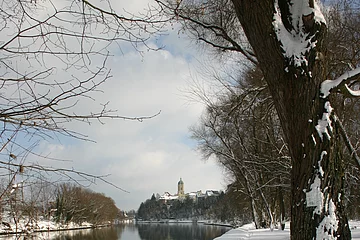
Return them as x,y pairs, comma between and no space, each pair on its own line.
141,157
150,156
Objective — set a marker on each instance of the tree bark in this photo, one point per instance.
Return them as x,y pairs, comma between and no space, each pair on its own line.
317,177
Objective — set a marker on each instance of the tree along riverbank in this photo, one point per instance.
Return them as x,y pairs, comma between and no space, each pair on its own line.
70,207
187,221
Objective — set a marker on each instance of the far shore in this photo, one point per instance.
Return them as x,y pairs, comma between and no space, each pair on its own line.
186,221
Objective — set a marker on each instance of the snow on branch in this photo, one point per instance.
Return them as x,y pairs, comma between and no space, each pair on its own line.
352,92
341,84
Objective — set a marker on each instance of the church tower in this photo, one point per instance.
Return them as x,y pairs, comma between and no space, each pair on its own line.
181,188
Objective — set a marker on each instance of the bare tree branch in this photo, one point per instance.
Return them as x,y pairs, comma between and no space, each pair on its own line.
348,144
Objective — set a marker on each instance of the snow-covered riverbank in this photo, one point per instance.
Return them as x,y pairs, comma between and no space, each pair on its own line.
24,227
248,231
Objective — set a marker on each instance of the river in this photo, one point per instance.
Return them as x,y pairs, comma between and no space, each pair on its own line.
136,232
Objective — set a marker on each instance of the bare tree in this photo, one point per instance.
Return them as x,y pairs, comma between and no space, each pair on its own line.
343,54
53,58
242,131
78,204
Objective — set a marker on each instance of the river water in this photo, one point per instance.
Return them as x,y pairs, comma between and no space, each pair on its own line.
136,232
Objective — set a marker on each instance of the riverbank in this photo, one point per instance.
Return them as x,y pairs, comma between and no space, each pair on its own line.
26,227
132,232
249,232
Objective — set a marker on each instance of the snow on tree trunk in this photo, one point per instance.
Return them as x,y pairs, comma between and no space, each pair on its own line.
287,38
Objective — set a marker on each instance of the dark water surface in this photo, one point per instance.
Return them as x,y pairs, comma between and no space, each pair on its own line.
139,232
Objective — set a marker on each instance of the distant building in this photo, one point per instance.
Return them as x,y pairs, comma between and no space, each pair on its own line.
192,195
181,195
210,193
167,197
181,192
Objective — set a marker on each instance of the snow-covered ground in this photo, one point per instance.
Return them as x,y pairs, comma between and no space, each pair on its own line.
23,227
248,231
46,235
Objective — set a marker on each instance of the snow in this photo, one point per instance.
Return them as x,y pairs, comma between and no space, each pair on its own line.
302,8
315,198
328,225
16,186
294,46
250,233
318,16
313,138
168,196
352,92
321,171
324,124
327,85
296,43
25,225
238,234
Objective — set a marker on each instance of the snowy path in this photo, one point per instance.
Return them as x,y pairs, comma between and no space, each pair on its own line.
249,232
241,234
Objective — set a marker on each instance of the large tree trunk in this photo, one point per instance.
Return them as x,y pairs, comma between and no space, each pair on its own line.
307,122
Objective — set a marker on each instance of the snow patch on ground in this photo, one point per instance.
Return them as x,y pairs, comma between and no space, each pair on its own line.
26,226
249,233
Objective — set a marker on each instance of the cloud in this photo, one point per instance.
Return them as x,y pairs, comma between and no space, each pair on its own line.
142,157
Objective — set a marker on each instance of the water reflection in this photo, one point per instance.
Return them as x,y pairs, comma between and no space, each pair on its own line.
179,231
110,233
134,232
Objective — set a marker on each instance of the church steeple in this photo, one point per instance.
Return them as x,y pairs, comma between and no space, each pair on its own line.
181,188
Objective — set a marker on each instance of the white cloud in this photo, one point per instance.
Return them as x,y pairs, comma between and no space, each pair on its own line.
142,157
